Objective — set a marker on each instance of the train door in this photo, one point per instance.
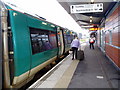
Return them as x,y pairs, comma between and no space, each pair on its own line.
0,50
60,41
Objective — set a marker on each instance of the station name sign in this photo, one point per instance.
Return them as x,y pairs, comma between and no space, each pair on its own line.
86,8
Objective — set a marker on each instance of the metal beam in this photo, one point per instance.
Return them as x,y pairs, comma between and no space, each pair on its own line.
94,15
87,22
112,4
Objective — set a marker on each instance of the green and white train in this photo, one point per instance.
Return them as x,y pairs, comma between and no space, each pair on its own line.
23,48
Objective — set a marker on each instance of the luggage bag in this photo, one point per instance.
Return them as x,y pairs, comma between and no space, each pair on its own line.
80,55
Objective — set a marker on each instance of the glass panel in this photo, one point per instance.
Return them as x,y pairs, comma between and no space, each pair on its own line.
42,40
52,39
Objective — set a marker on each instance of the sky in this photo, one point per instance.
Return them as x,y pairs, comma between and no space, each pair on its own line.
51,10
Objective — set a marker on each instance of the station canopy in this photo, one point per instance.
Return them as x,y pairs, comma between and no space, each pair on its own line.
88,13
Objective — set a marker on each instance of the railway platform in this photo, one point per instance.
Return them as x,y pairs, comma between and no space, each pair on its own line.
95,71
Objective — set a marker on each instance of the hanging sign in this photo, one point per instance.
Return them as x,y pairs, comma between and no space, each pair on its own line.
87,8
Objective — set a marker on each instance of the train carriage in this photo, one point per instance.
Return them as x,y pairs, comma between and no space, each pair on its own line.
29,44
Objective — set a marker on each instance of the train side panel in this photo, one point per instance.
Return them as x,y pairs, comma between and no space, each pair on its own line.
41,55
22,55
21,46
25,56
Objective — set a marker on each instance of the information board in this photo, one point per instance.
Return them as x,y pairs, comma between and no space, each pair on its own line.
86,8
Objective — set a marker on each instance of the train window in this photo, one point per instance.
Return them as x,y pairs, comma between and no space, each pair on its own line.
42,40
65,38
68,39
52,39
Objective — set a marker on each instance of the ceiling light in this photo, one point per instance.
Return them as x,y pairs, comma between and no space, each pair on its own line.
87,26
90,16
92,0
90,20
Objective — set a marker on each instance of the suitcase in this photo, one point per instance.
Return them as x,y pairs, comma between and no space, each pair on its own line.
80,55
70,51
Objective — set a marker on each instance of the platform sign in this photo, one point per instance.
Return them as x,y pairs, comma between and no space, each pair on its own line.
86,8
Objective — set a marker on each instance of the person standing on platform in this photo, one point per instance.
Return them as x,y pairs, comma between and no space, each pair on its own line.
91,42
75,45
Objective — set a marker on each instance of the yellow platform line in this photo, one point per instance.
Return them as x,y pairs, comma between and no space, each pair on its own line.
64,81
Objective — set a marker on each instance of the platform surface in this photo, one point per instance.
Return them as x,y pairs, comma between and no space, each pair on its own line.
95,71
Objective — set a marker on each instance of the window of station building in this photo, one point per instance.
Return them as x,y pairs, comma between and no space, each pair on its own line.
42,40
110,36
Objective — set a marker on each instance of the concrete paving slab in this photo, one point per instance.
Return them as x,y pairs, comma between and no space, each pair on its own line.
95,64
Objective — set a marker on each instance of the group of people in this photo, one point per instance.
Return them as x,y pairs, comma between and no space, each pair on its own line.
75,45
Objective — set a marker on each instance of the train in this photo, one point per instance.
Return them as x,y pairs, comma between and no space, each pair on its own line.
28,44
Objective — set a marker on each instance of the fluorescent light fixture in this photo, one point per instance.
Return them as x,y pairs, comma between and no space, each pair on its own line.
100,77
90,20
92,0
87,26
90,16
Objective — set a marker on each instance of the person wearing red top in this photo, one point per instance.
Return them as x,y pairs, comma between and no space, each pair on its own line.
91,42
